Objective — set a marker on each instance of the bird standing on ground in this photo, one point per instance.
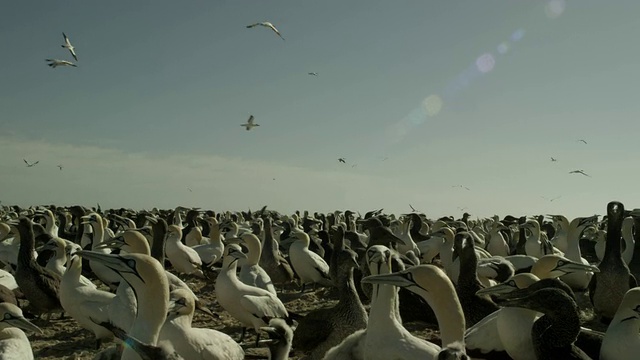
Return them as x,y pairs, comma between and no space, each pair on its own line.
67,45
267,25
250,123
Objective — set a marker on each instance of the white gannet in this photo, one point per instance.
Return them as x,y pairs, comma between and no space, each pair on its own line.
50,222
146,276
267,25
14,344
250,271
54,63
35,162
106,275
58,261
250,124
251,306
622,341
84,303
313,73
190,342
183,258
581,172
561,225
577,280
7,280
67,45
310,267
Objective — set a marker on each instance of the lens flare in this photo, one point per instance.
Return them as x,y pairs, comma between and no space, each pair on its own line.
503,48
485,63
554,8
432,104
517,35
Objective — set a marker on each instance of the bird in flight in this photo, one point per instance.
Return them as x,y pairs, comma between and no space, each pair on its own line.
32,164
250,124
189,189
313,73
354,165
579,172
551,200
412,208
581,140
553,159
460,186
67,45
267,25
59,167
462,208
54,63
342,160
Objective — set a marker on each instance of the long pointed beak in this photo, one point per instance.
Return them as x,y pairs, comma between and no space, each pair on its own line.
151,219
203,309
113,243
571,267
24,324
112,261
239,255
495,290
395,279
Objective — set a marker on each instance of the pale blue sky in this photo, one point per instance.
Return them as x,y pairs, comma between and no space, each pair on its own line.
161,88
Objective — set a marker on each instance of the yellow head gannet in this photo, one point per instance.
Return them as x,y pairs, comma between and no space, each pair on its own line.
622,341
183,258
310,267
67,45
250,124
250,271
14,344
54,63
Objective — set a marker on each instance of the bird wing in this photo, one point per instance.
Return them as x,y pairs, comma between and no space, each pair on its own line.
252,25
275,30
312,330
250,121
264,306
25,161
35,162
66,39
73,53
484,335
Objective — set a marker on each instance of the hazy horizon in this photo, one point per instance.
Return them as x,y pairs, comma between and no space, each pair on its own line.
417,96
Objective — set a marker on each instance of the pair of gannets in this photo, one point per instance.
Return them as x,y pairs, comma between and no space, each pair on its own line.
385,337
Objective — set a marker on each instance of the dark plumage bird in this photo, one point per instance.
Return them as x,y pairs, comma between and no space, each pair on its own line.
39,285
556,331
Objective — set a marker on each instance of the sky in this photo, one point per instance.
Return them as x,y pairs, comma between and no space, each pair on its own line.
418,96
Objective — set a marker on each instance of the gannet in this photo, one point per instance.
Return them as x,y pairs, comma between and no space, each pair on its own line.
84,303
59,166
14,344
622,341
627,237
31,164
146,276
211,253
54,63
581,172
57,263
39,285
144,351
577,280
608,287
272,260
250,271
322,329
250,124
67,45
309,266
313,73
6,279
561,225
267,25
251,306
554,333
183,258
435,287
280,339
106,275
194,343
50,222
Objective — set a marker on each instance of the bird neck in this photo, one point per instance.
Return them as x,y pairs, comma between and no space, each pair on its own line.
446,306
98,234
151,315
573,243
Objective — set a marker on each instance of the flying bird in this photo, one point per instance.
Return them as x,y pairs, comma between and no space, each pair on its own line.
553,159
412,208
460,186
354,165
462,208
342,160
32,164
54,63
59,167
189,189
582,141
313,73
267,25
551,200
67,45
579,172
250,124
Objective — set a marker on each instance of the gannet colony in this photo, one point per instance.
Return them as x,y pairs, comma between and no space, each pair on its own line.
185,283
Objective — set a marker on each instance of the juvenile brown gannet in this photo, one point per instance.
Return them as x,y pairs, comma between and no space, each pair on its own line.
250,305
250,124
267,25
608,287
190,342
146,276
39,285
67,45
622,341
183,258
54,63
14,344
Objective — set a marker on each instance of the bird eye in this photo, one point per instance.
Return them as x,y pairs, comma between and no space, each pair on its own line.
7,316
409,276
512,283
560,262
131,264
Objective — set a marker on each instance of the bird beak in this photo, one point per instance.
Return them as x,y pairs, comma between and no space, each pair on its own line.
113,243
151,219
114,262
22,323
395,279
496,290
85,220
272,333
239,255
233,240
47,246
203,309
571,267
